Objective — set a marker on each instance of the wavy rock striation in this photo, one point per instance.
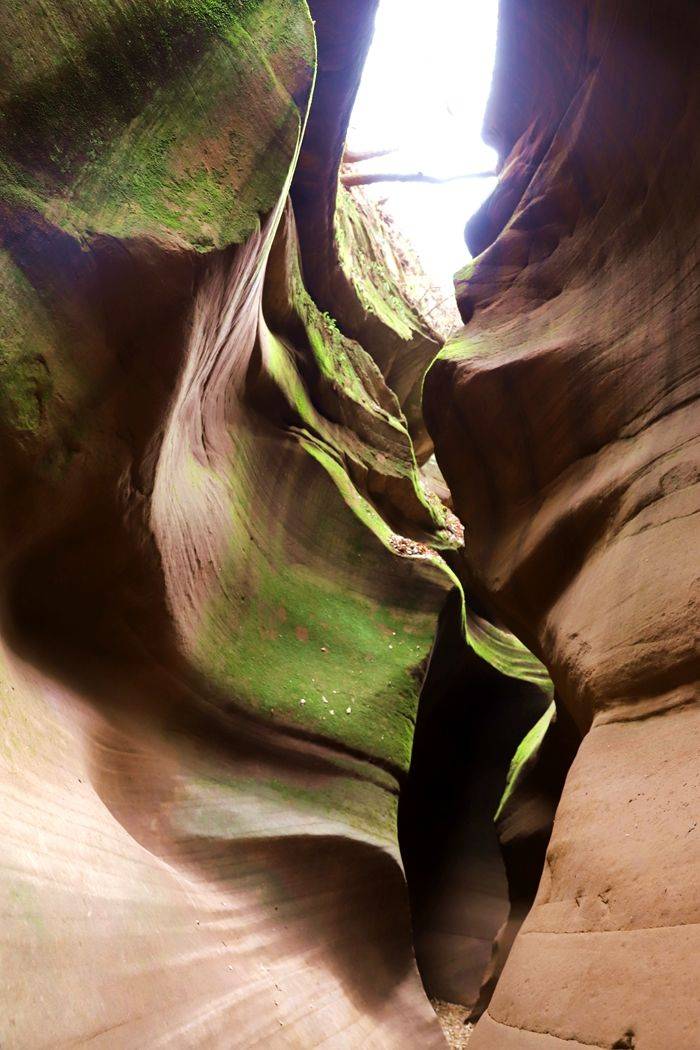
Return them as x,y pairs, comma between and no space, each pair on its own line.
221,570
217,596
565,420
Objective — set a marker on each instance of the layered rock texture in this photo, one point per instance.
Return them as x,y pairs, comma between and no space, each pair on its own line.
214,622
221,570
565,419
237,618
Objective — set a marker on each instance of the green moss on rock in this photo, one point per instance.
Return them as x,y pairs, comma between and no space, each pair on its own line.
329,659
317,623
524,754
177,117
25,340
375,286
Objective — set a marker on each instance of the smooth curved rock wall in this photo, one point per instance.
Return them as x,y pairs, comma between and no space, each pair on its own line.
565,419
212,635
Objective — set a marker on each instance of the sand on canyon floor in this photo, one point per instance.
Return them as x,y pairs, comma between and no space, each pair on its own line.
452,1018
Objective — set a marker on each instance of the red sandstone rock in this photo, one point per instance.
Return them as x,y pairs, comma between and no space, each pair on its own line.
200,482
565,420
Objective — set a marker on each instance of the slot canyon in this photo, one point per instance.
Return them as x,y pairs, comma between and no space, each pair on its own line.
348,659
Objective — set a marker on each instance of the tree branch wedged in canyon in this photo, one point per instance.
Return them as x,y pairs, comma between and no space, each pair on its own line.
358,178
222,571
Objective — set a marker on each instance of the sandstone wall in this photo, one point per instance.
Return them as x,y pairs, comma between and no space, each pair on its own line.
565,419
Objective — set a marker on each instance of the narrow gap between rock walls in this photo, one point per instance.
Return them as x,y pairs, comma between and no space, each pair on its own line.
415,149
415,142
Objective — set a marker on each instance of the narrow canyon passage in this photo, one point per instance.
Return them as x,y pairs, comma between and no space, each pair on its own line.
349,604
415,151
471,719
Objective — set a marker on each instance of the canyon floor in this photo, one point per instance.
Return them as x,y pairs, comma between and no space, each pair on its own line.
452,1016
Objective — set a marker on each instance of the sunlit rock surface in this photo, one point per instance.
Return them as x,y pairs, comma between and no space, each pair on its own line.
345,260
226,550
565,420
220,572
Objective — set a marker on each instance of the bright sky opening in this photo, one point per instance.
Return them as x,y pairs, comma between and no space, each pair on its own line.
423,94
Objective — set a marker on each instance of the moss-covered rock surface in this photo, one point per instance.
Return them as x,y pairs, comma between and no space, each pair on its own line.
220,569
